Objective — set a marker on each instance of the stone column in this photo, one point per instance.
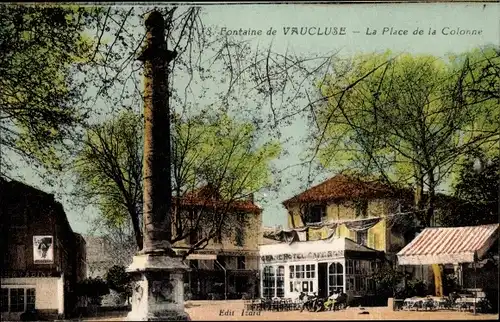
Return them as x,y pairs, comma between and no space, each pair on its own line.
158,291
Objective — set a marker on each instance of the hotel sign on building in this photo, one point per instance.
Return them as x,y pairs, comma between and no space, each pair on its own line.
321,266
330,254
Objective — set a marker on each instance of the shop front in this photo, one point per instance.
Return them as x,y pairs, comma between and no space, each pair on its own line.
321,267
22,291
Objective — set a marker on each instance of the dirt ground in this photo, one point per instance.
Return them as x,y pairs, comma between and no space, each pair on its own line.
233,310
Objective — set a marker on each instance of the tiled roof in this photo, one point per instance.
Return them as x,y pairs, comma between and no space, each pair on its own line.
344,187
207,197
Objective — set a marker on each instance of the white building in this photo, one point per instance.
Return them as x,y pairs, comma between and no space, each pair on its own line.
321,266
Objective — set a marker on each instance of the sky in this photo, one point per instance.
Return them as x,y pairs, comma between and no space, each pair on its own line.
364,27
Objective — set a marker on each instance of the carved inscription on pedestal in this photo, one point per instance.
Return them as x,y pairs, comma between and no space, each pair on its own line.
163,291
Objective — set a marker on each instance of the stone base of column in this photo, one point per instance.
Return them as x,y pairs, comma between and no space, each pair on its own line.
158,288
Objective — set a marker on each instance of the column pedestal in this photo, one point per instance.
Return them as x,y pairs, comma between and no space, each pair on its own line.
158,288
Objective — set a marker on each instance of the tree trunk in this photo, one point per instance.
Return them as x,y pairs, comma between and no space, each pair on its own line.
430,200
137,228
419,195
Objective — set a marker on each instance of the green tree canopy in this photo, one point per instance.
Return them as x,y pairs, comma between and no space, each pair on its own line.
41,50
477,186
405,118
119,280
213,150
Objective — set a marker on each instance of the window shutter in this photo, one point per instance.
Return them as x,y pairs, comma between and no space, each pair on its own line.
324,232
371,239
376,242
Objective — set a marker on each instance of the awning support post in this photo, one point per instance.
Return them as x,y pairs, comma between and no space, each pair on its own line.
475,286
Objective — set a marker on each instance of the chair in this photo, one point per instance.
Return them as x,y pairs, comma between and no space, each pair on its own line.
255,305
266,304
248,305
283,304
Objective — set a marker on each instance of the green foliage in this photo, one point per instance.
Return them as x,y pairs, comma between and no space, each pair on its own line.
406,118
477,188
39,94
206,150
109,167
220,151
119,280
387,277
450,284
417,288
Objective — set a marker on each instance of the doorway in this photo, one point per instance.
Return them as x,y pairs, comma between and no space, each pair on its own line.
323,280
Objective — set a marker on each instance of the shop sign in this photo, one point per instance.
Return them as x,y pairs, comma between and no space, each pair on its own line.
330,254
19,274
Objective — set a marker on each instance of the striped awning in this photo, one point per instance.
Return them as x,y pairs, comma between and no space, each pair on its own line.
449,245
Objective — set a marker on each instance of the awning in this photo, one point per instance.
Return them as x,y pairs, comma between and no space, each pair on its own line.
449,245
202,257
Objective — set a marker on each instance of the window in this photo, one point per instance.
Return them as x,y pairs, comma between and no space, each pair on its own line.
361,209
280,282
310,271
269,282
30,299
357,283
302,278
362,237
359,273
299,271
16,300
357,267
4,300
335,277
315,214
350,269
241,262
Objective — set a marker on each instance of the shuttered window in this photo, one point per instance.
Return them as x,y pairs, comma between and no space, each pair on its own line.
371,238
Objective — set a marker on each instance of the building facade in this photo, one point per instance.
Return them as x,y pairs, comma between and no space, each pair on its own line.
226,266
369,213
365,212
320,266
42,258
